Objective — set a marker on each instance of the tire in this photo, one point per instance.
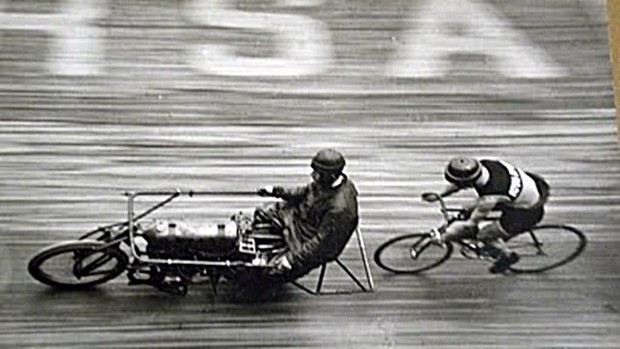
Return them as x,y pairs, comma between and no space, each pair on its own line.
546,247
395,256
76,258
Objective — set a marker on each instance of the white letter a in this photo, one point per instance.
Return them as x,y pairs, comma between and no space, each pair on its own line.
450,27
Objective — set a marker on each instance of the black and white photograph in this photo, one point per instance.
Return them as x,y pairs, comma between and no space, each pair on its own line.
309,174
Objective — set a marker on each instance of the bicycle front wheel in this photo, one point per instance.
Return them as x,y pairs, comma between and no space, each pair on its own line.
546,247
411,254
77,264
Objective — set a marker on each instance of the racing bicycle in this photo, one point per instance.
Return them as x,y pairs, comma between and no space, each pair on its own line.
541,248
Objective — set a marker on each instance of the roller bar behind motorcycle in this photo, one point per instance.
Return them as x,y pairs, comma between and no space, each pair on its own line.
167,254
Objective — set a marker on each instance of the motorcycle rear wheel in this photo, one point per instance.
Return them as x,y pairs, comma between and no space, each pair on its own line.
77,264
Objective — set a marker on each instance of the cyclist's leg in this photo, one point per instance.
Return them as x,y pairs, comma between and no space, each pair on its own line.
492,235
468,229
511,223
272,216
460,230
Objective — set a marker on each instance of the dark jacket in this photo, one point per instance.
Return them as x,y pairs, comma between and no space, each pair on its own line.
321,223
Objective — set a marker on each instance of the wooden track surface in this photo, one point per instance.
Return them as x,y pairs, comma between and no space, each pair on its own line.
70,146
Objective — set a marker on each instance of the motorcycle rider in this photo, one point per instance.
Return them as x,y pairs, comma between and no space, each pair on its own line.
520,196
316,220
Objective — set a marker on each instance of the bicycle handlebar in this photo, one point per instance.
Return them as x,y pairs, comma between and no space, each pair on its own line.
432,197
445,210
462,213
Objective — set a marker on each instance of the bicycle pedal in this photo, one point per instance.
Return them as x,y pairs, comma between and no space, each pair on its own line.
436,238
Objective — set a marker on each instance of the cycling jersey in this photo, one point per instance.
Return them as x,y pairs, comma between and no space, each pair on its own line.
508,180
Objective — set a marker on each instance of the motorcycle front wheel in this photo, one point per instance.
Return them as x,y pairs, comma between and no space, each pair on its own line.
77,264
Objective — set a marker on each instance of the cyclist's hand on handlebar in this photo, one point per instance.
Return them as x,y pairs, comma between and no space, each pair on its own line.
430,197
464,213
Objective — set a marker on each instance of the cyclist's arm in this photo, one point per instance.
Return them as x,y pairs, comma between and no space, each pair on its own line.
290,194
449,190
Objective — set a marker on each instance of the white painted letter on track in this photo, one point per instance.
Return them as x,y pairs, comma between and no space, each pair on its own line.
302,45
76,47
451,27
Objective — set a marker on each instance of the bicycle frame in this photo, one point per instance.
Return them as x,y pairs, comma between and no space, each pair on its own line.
466,244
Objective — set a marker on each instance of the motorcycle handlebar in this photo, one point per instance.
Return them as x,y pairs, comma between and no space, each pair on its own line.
179,192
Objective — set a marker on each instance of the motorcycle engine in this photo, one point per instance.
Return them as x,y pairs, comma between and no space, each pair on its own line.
167,239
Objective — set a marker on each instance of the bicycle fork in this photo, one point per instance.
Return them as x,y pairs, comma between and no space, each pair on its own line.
422,244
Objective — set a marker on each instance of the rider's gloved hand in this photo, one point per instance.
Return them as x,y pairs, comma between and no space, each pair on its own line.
270,191
265,191
280,265
278,192
283,263
430,197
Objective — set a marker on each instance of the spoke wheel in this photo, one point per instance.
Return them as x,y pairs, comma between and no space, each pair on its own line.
546,247
395,255
77,264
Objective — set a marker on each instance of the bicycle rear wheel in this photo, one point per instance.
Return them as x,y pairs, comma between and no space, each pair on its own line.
77,264
546,247
395,255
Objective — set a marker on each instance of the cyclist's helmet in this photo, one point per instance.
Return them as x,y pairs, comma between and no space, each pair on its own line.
463,171
328,161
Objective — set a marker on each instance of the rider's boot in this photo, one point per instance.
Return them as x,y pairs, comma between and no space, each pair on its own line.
496,247
488,250
173,285
504,262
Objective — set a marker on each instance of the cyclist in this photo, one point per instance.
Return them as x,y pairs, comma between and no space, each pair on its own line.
520,196
316,220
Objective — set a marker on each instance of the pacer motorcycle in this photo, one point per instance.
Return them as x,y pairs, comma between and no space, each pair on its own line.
169,255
